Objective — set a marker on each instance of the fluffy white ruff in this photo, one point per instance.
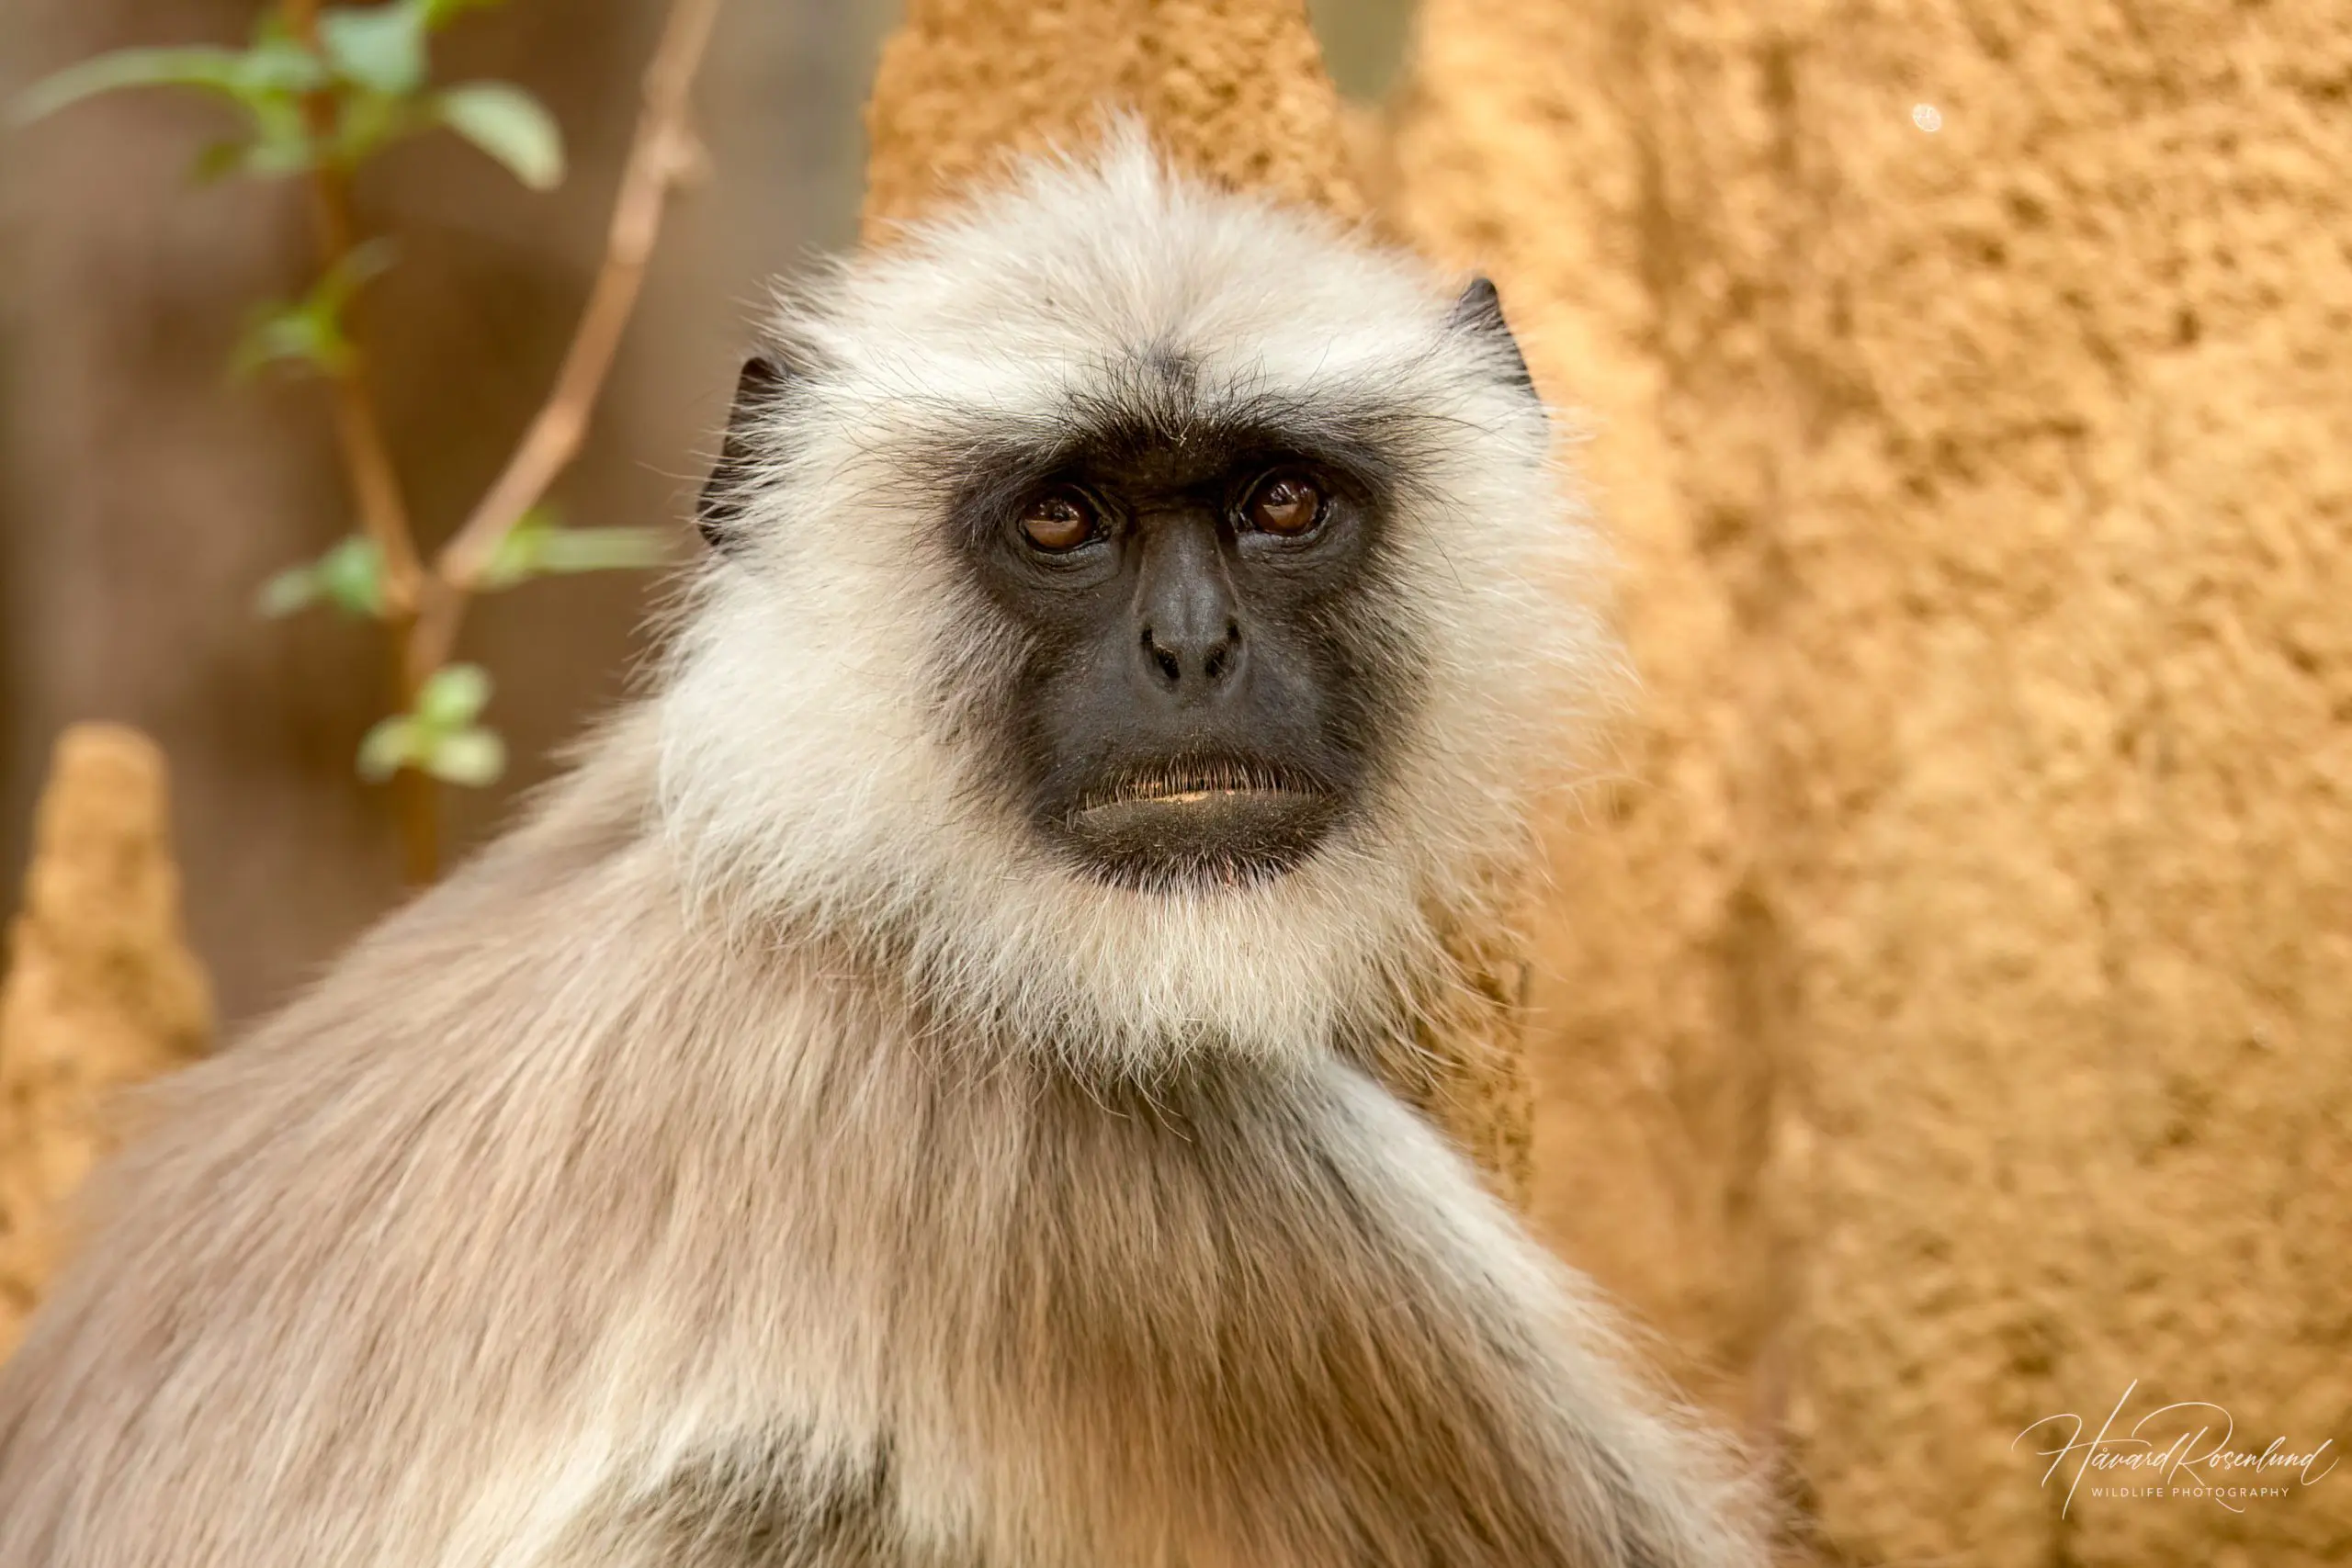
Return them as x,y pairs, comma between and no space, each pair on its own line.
821,761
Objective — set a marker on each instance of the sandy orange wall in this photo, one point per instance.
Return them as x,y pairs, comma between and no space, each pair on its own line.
1234,88
1948,1019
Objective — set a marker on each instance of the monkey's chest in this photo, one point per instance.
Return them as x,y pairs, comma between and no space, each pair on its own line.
1197,1342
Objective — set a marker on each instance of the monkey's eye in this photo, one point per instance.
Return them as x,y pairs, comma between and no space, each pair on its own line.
1059,520
1286,503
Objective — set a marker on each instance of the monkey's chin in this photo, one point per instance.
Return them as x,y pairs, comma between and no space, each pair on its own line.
1199,839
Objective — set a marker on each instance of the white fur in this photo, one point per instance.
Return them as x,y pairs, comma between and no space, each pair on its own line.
802,774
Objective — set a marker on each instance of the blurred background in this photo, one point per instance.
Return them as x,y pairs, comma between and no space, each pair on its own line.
1944,1017
144,500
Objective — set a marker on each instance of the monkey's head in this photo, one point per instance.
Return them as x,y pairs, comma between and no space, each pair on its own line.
1135,613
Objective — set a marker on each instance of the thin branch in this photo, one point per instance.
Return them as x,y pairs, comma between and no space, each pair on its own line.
662,153
423,609
359,428
375,480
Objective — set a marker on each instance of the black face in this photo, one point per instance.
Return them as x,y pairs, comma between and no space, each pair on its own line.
1207,677
1201,697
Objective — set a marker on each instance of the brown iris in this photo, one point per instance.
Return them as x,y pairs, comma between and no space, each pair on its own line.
1059,520
1286,503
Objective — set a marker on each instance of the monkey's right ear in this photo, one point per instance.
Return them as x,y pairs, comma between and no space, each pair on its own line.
1480,310
762,380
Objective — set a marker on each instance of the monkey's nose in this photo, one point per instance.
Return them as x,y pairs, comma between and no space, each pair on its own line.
1185,656
1190,641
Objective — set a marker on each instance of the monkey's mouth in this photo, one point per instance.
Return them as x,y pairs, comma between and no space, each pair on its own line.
1217,824
1188,786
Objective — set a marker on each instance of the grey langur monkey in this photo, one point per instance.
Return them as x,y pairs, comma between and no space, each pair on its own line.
907,1097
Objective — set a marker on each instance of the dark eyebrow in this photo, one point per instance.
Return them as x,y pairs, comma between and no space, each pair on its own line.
1374,451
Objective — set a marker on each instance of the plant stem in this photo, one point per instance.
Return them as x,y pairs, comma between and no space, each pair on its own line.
660,154
424,610
375,480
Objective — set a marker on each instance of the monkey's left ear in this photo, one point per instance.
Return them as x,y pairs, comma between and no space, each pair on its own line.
762,380
1480,310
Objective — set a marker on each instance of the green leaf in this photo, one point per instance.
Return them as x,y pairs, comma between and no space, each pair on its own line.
440,739
539,546
366,122
451,697
511,126
272,31
353,269
218,161
390,745
516,555
280,62
295,588
275,69
311,330
211,69
473,757
600,550
281,139
439,14
350,576
289,334
381,47
267,81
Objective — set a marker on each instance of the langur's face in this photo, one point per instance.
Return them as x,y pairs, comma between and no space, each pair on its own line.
1200,697
1134,608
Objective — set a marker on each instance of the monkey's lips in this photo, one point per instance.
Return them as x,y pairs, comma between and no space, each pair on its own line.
1178,830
